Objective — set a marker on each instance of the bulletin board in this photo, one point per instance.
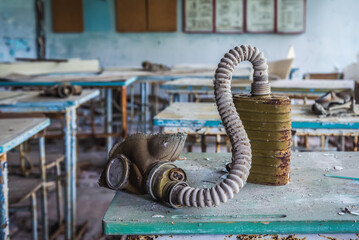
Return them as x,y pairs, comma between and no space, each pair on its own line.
146,15
290,16
67,16
131,16
260,16
162,15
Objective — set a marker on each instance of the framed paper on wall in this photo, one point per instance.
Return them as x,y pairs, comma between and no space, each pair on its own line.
260,16
290,16
229,17
198,16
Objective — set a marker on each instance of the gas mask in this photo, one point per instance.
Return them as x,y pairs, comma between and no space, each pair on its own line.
143,164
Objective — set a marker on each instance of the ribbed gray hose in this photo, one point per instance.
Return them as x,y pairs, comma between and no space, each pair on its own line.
241,148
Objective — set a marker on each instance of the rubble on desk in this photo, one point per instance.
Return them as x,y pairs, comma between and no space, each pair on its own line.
346,210
154,67
334,103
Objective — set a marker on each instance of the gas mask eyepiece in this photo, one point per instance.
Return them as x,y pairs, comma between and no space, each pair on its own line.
143,164
117,172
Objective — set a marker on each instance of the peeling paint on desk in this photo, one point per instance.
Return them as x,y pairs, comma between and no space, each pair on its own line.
299,201
23,137
4,221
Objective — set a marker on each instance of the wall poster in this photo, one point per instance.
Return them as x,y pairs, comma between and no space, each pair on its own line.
229,16
260,16
198,15
290,16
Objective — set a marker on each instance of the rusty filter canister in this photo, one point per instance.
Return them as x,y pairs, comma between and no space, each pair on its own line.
266,120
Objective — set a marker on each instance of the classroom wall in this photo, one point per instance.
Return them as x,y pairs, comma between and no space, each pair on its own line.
17,29
330,41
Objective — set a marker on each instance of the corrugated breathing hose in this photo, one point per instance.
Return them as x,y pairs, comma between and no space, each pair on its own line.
184,195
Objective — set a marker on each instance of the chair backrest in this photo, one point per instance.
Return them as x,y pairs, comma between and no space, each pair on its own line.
280,68
323,76
21,115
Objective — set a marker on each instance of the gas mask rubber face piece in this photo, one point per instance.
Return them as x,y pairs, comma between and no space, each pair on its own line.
143,164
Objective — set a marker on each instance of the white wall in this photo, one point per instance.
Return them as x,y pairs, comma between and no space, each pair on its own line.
331,39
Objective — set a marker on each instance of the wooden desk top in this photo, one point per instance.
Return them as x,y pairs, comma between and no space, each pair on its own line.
16,131
308,204
113,77
182,71
183,114
104,79
23,101
278,86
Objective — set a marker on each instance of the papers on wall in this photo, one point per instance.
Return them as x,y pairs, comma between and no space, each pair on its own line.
290,16
229,16
260,15
198,16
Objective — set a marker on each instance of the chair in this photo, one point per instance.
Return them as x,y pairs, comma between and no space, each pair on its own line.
28,166
325,76
22,188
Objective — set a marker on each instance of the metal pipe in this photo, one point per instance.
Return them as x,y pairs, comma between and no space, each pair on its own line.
68,181
34,216
109,118
59,198
4,199
73,125
44,189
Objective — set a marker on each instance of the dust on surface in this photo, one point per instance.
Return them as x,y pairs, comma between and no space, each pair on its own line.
267,237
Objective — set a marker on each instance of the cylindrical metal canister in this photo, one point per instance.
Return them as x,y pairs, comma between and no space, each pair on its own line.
266,120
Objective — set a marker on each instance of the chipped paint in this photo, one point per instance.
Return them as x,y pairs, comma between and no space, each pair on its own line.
4,204
15,45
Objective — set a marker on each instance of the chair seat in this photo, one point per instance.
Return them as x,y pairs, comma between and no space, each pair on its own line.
21,188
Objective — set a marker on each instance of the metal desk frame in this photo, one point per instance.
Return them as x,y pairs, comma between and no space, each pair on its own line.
146,81
303,89
68,108
4,206
212,124
108,86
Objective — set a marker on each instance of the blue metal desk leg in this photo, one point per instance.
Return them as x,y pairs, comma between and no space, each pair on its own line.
4,208
34,216
44,189
109,118
132,104
73,168
70,173
68,219
143,92
144,105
